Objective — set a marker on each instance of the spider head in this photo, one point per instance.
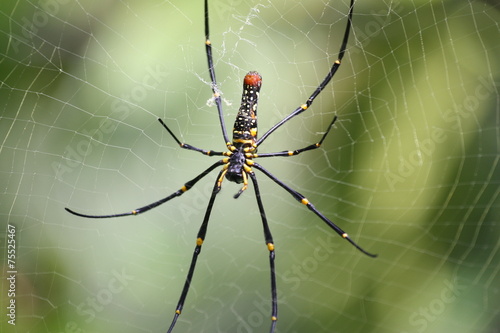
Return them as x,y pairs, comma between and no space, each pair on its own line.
235,168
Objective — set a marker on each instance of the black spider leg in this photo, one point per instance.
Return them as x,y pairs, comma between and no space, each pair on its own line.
189,147
323,84
270,246
143,209
216,93
298,151
199,242
300,198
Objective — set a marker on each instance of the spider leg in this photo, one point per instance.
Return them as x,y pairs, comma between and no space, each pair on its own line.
322,85
189,147
199,242
300,198
270,246
298,151
211,71
143,209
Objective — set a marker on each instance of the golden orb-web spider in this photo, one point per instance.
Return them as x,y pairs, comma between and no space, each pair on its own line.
238,164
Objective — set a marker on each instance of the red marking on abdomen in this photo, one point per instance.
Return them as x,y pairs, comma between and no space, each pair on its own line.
253,79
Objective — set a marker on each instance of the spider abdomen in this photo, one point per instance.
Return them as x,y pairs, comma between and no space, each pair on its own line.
245,125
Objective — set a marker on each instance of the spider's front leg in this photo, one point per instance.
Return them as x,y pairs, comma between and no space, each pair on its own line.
270,246
303,200
197,250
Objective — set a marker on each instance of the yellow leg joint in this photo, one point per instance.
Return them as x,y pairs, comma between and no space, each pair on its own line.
270,246
219,181
304,201
199,241
178,312
273,318
345,235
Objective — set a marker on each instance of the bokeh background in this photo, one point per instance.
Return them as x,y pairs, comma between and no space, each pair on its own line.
410,170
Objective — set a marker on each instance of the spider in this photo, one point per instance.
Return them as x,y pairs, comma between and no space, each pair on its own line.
238,164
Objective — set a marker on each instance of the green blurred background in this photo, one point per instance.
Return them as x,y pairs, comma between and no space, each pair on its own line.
410,169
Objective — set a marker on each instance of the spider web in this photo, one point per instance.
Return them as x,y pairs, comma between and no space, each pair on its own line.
410,169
